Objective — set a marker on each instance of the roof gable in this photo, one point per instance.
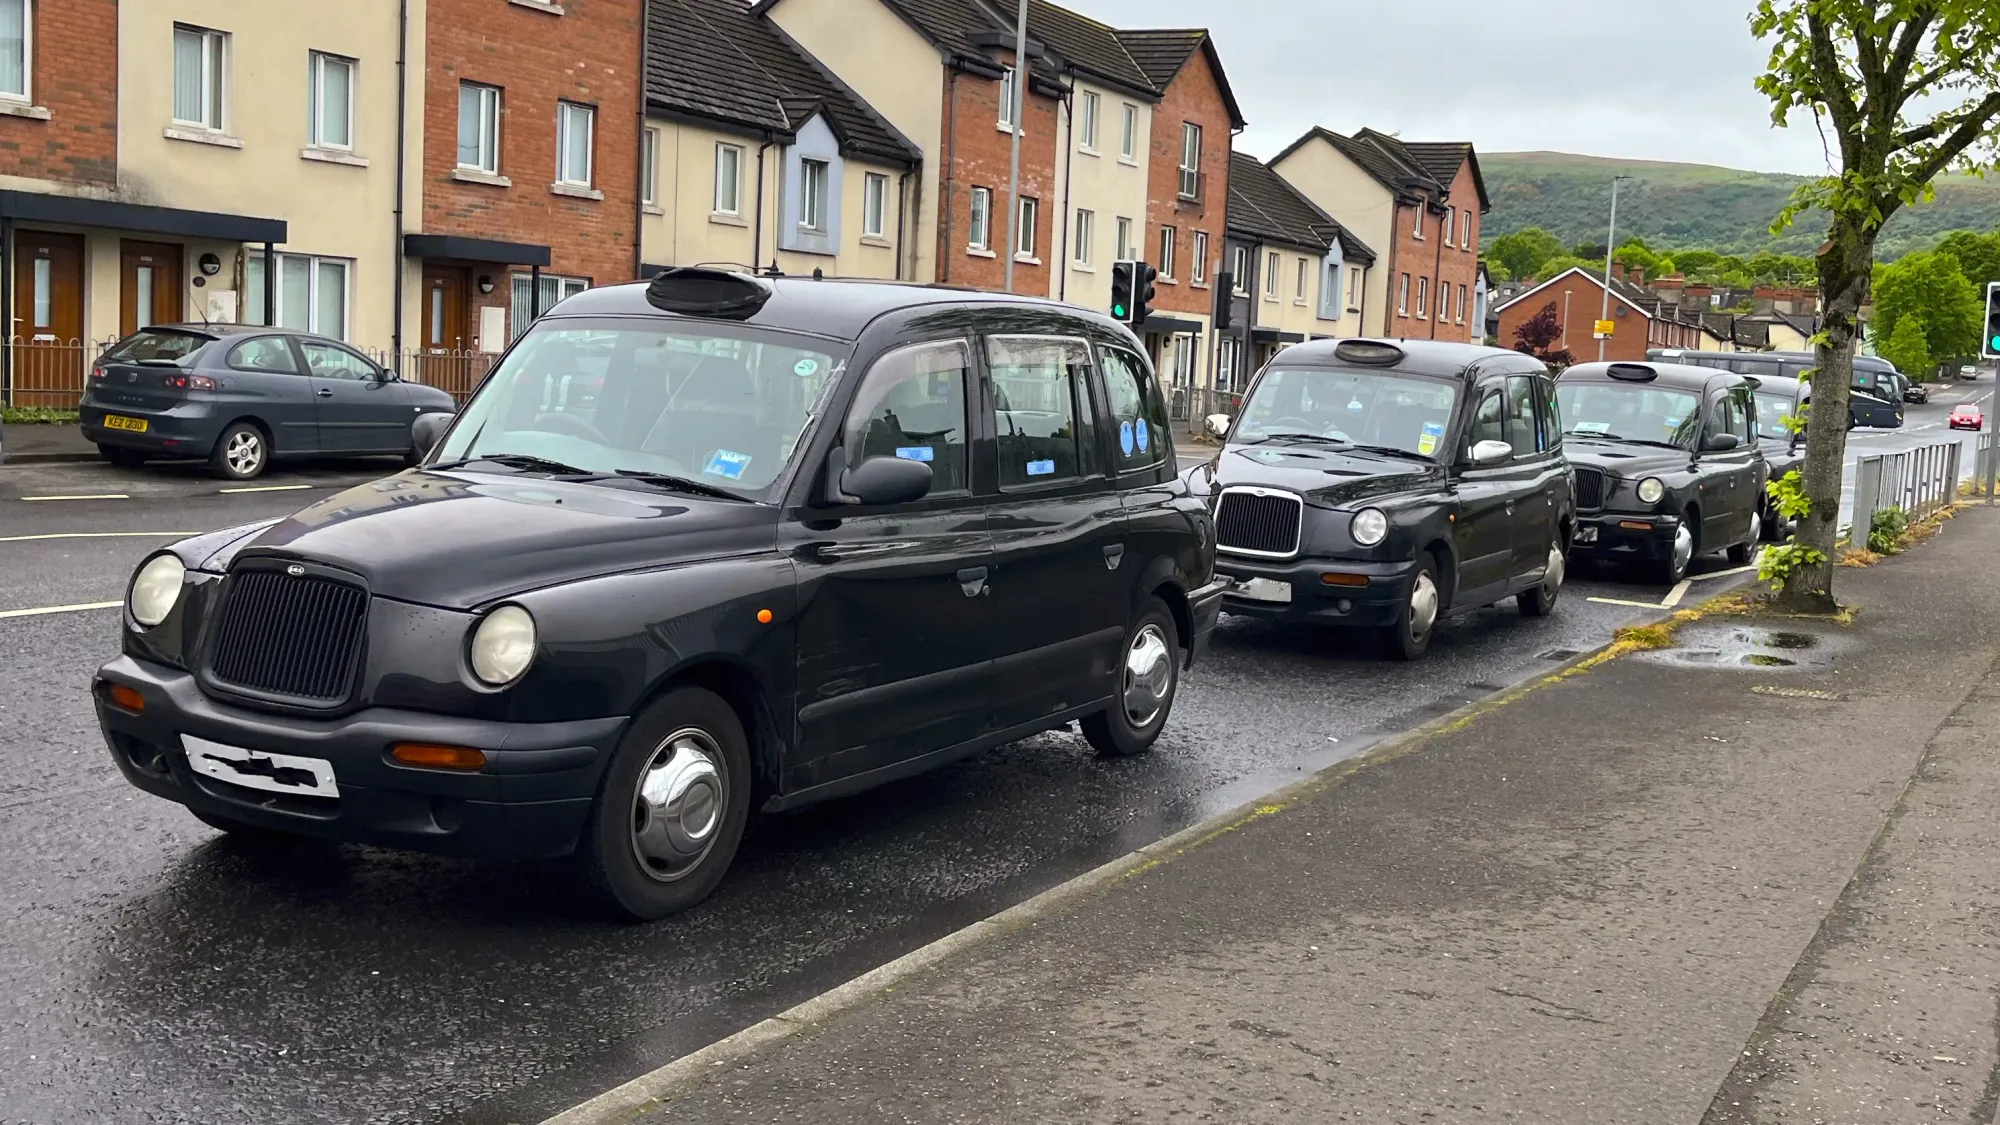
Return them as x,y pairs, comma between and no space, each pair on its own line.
1627,295
1164,53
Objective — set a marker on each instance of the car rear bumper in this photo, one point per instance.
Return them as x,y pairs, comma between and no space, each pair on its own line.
1368,594
1624,536
531,800
187,430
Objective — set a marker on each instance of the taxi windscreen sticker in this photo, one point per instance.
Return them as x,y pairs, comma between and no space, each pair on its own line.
1591,428
1145,436
806,368
916,453
1125,438
1433,433
1041,468
727,465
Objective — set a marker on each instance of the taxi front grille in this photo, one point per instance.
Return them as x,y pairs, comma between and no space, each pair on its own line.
1589,490
290,636
1258,522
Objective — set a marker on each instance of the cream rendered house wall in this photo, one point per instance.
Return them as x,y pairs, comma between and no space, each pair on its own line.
898,73
1288,313
1357,202
340,206
1105,184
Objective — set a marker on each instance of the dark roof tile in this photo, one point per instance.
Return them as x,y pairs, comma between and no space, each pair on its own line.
1162,52
1263,206
1090,46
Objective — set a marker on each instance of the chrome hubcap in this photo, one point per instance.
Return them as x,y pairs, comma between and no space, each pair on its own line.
1423,605
1552,579
1683,549
1756,527
1149,675
678,807
244,452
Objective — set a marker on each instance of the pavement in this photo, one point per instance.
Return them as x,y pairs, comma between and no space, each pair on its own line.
40,443
1751,878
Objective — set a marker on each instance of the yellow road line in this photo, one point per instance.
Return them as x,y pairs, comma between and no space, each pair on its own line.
43,610
98,535
101,496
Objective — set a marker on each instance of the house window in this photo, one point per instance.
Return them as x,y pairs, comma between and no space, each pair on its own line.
728,180
1199,267
649,169
1444,301
1403,297
1329,292
198,74
1125,247
1353,288
1445,224
312,293
979,232
812,195
1225,364
1190,160
479,128
1240,267
874,205
1086,121
1128,142
1300,295
1461,302
1086,232
332,79
1465,232
1007,99
1423,297
574,125
16,49
554,289
1024,229
1166,262
1271,263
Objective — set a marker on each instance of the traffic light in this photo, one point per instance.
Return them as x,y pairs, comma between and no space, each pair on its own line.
1142,291
1225,300
1121,291
1990,346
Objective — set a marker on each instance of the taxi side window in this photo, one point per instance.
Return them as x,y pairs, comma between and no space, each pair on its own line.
1523,430
264,353
1141,438
1545,407
1726,416
1037,384
912,405
1744,415
1489,423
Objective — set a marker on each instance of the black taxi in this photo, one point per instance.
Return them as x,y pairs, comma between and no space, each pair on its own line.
805,537
1668,464
1384,484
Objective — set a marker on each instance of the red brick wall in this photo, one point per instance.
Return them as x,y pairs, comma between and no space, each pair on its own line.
589,55
981,156
1194,95
1584,298
74,77
1437,262
1460,265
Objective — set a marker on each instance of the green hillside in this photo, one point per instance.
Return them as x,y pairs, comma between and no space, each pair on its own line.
1695,205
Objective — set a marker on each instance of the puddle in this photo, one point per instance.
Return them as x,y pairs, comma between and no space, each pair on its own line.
1771,638
1735,645
1765,660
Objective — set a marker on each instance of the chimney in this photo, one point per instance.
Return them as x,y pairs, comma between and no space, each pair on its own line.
1638,276
1618,271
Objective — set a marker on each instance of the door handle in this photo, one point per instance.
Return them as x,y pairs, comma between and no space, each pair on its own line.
325,392
1114,555
972,580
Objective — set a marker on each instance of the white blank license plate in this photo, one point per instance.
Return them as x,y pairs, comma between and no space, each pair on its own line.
1263,590
253,769
1586,535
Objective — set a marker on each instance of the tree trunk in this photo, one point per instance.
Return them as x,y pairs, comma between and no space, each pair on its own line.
1845,270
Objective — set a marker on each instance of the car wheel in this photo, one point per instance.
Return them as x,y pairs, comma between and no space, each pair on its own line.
672,806
1541,601
241,453
1742,553
1416,617
1675,567
246,832
122,457
1148,677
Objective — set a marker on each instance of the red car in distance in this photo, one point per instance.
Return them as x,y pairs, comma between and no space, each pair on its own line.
1967,416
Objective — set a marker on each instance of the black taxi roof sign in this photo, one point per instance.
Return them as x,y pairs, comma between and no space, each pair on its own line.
1633,372
721,294
1368,351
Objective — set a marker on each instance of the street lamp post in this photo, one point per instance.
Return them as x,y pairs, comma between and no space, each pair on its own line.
1014,171
1610,248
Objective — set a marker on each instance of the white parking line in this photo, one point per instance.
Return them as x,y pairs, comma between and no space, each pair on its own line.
98,535
99,496
47,609
265,488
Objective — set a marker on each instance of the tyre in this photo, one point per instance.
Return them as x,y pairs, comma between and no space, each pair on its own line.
1675,566
1148,677
121,456
1742,553
671,809
1541,601
241,453
248,833
1416,618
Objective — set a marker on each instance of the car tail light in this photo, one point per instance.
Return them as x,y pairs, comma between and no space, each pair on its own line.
191,382
97,372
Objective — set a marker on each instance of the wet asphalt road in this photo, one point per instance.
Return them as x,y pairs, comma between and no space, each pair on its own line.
152,970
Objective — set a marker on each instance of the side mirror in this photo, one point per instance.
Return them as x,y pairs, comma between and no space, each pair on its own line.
426,430
1217,425
1720,443
1488,453
887,480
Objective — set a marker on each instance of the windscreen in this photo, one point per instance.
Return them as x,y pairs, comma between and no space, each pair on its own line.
1353,405
155,346
1775,414
720,405
1630,412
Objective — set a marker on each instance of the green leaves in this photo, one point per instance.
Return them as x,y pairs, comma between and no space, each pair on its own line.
1932,290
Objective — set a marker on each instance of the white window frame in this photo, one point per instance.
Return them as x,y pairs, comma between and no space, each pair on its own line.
1083,237
1026,209
874,205
565,287
1190,181
1423,298
1128,135
1086,116
26,94
566,111
735,201
649,168
1418,232
979,227
1353,294
1273,261
1403,296
1444,301
812,201
316,99
1198,269
1449,224
488,110
1169,237
1461,303
1465,231
313,264
1239,282
1006,122
1124,229
214,76
1305,267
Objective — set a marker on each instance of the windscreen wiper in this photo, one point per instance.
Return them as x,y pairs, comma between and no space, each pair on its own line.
1301,437
1390,451
527,462
667,481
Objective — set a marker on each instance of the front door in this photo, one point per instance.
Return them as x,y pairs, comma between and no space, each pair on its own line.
1487,496
447,339
359,410
894,618
50,356
150,281
1732,480
1537,469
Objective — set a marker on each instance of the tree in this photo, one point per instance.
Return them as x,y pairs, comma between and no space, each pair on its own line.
1538,336
1588,251
1497,272
1978,255
1524,251
1908,349
1697,264
1930,288
1562,262
1863,69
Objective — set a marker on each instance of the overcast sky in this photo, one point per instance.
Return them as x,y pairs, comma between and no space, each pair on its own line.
1650,81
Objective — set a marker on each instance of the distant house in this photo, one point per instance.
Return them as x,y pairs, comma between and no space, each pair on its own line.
1640,320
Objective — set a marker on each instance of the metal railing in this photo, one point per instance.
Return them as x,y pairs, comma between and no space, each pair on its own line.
1915,482
1189,405
458,372
49,372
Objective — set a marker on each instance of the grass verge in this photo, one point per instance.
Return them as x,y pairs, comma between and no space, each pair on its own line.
37,416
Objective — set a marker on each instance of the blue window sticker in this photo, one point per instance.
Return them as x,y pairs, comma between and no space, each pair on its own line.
727,465
1125,437
1145,436
1041,468
916,453
806,368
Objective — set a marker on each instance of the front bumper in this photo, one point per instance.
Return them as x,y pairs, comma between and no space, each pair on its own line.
1311,599
1624,536
1204,607
531,800
186,430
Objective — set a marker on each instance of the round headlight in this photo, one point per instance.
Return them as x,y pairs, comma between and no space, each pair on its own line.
155,589
503,645
1651,489
1370,526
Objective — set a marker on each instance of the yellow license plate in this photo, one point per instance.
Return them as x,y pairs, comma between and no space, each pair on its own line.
119,422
